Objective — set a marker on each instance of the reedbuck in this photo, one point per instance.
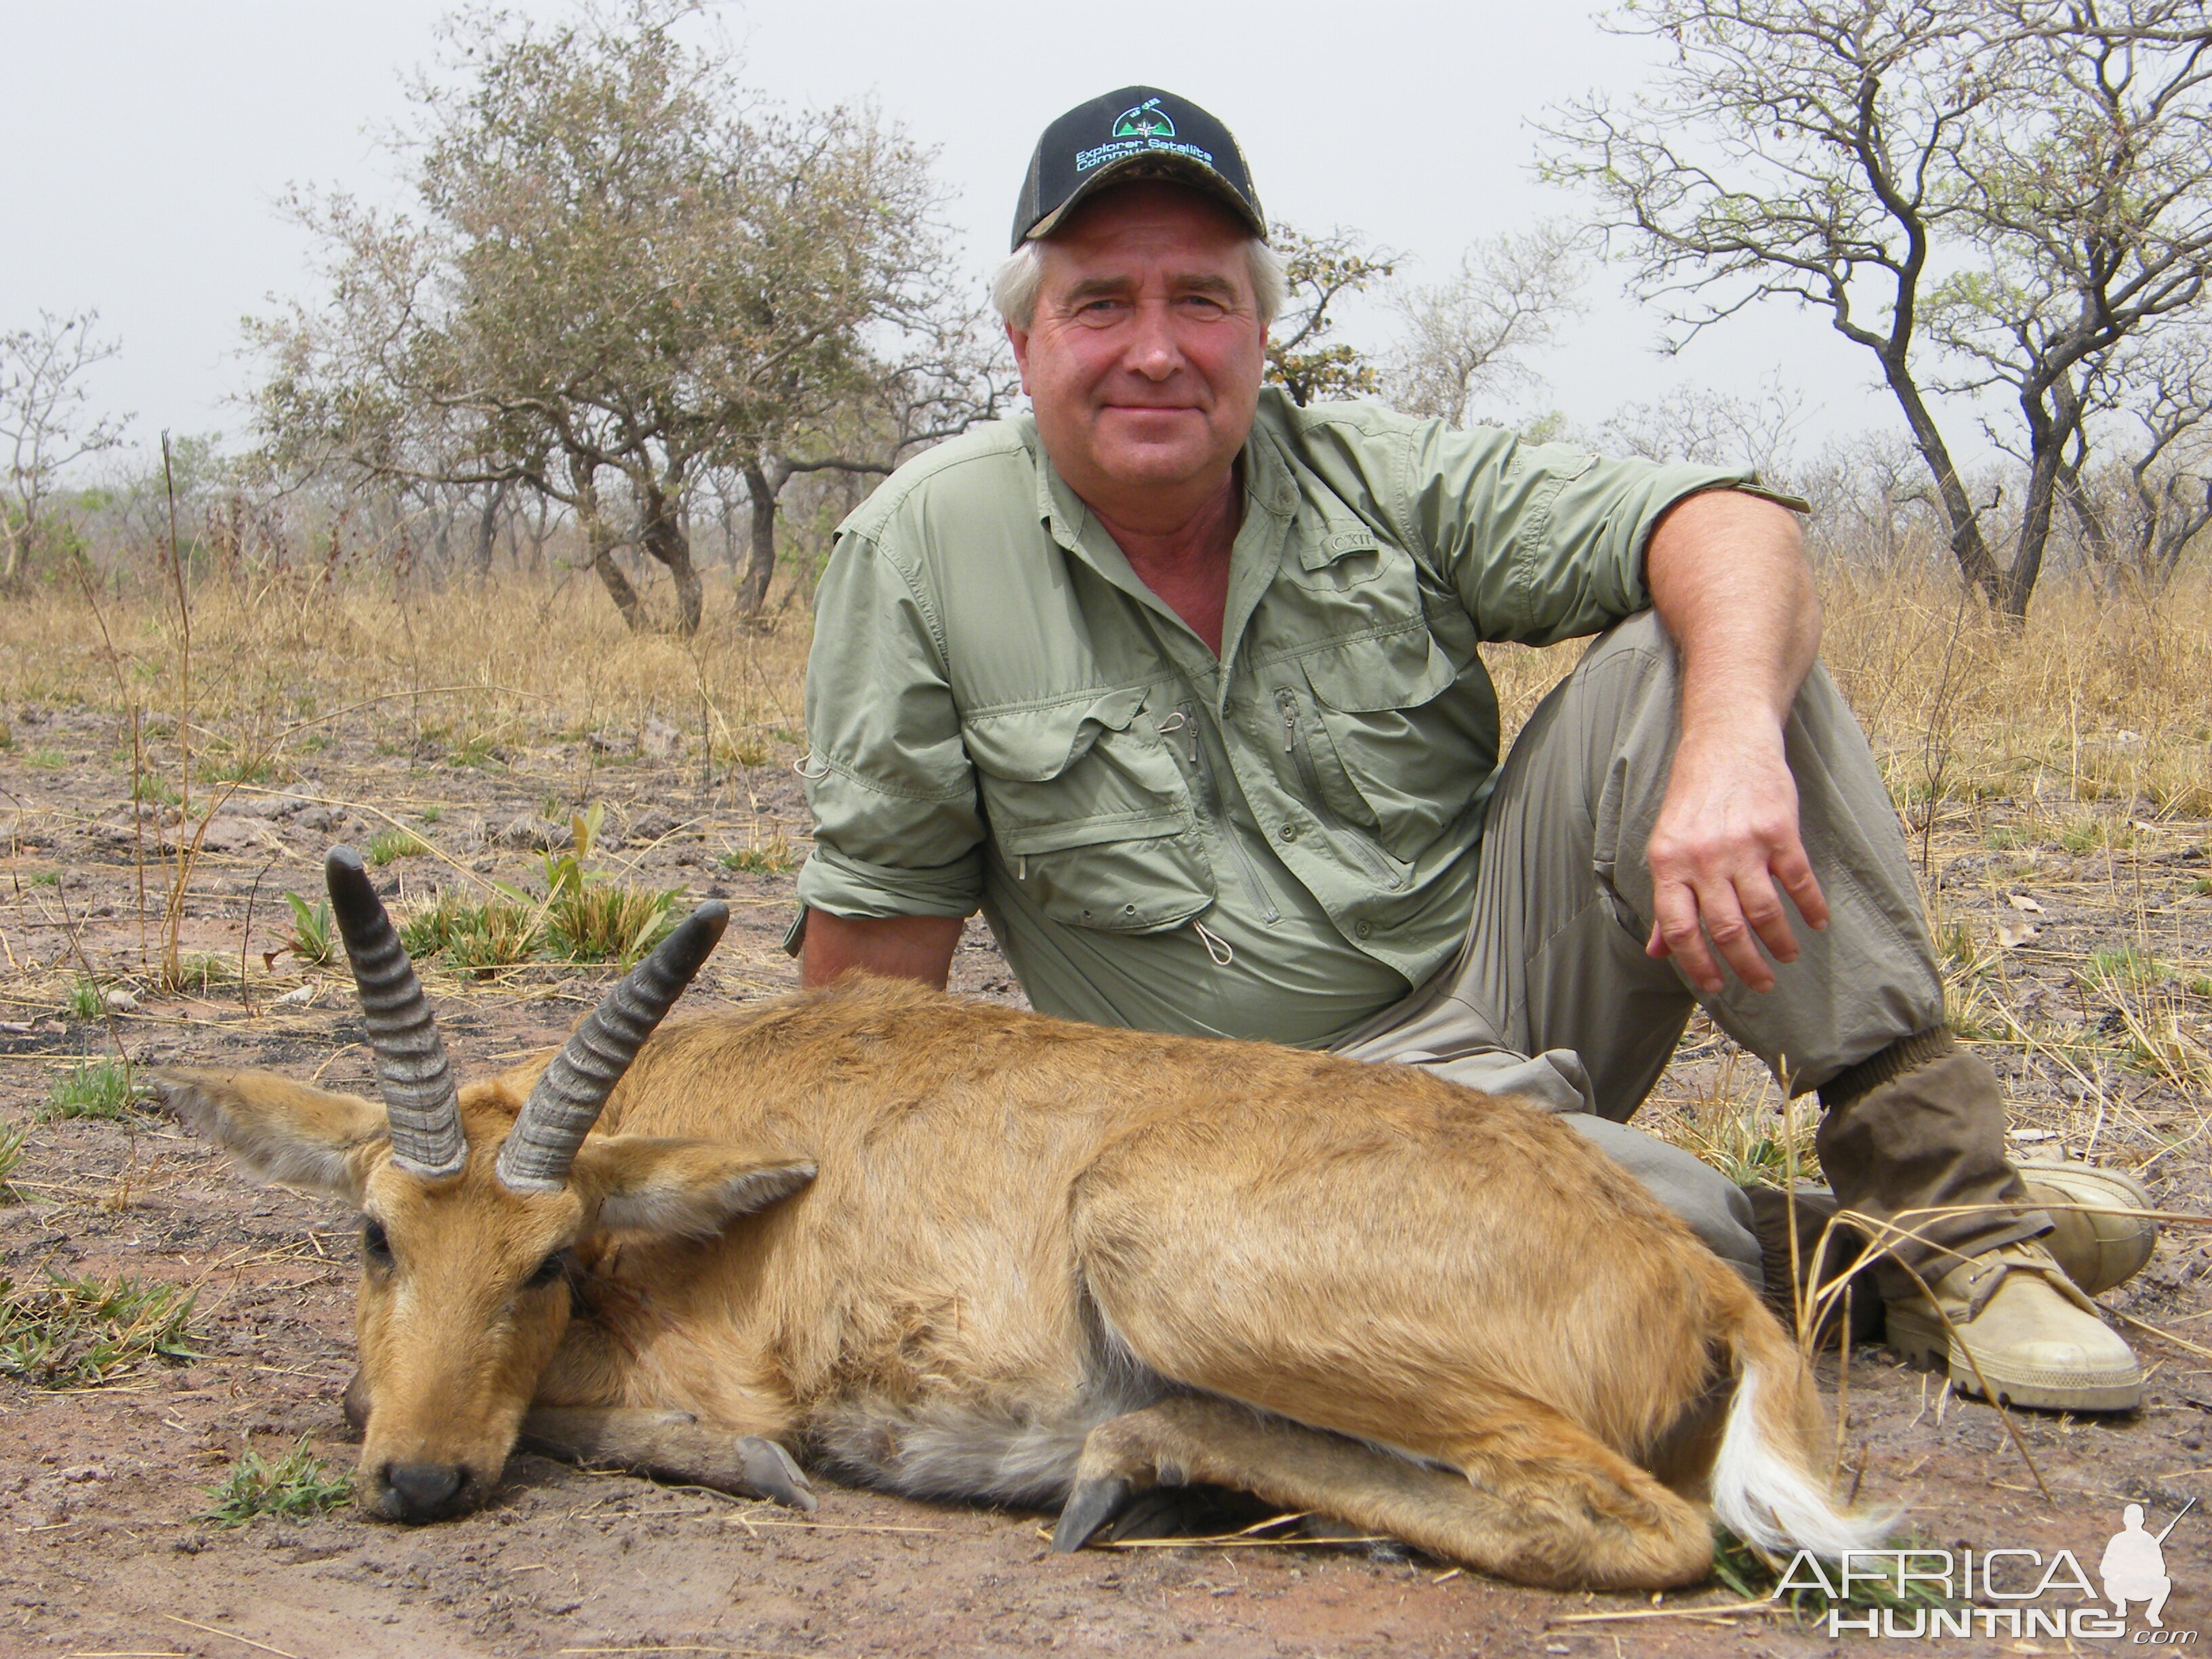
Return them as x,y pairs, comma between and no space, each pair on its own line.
952,1249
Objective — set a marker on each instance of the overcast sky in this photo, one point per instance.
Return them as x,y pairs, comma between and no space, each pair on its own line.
147,143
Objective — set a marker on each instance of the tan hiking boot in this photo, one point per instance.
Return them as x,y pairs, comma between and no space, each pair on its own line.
2097,1251
2035,1336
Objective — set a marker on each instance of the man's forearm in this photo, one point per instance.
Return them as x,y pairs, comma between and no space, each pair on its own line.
1727,576
895,947
1729,581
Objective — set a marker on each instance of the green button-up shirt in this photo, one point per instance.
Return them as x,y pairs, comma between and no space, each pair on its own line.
1278,843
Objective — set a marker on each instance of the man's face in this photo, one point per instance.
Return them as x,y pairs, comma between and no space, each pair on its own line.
1143,360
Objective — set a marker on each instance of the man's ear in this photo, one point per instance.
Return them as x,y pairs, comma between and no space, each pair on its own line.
686,1188
1019,338
278,1130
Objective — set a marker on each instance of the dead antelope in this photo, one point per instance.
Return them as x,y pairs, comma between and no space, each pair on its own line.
952,1249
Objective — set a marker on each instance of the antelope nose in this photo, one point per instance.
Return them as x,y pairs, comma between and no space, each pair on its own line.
422,1491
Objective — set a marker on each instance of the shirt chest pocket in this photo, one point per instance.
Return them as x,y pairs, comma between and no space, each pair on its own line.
1391,746
1090,813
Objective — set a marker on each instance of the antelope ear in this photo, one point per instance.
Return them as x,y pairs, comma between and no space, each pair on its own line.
686,1188
278,1130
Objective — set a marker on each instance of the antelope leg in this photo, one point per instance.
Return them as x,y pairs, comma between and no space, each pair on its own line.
672,1446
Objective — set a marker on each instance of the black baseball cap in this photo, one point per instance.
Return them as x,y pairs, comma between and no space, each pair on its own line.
1138,132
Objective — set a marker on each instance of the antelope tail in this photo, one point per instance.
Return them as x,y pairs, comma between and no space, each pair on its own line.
1766,1484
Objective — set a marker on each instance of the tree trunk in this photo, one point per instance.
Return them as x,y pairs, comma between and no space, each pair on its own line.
664,539
488,526
1968,545
760,562
601,545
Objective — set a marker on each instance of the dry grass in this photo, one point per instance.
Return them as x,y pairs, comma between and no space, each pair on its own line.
455,672
2070,762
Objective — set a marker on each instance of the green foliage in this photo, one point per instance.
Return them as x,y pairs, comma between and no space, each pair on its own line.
296,1486
86,1000
2094,835
775,856
97,1088
431,814
475,936
46,760
11,1154
1754,1576
47,879
2125,965
81,1333
610,922
640,267
1318,272
390,846
310,936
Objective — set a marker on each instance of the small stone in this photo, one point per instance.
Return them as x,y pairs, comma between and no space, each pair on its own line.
119,1000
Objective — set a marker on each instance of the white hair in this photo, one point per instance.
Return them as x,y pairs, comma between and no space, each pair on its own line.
1014,285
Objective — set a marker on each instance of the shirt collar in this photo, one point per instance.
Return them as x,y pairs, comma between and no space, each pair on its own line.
1271,498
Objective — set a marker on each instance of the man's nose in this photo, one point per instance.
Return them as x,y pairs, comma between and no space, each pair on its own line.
1153,351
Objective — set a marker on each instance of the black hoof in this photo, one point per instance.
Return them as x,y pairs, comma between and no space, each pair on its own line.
770,1471
1090,1505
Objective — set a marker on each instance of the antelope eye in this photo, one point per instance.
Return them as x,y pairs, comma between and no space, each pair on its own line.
376,1243
549,1270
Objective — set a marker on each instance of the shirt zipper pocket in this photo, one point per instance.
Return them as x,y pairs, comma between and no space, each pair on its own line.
1218,815
1294,744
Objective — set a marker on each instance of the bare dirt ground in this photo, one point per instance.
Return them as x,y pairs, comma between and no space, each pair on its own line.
101,1548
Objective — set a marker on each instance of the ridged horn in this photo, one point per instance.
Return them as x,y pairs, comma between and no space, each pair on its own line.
419,1097
573,1089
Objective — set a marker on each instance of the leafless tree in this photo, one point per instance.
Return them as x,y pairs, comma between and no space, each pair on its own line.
1979,192
1468,339
46,426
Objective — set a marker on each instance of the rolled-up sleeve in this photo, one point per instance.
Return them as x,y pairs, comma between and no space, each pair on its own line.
1544,542
896,828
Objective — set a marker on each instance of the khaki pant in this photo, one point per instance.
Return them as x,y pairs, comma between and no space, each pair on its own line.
1553,999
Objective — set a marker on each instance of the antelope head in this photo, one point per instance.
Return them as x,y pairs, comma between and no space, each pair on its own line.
473,1201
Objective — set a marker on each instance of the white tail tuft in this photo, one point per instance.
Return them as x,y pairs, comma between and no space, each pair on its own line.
1767,1500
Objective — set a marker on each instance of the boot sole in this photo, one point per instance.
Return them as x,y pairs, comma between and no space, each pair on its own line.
1928,1345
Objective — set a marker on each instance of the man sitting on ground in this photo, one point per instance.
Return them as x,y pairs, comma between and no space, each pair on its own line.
1179,684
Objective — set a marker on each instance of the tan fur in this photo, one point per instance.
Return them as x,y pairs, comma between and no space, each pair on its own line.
1087,1254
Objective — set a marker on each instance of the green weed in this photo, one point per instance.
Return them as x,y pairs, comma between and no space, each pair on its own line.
158,790
2094,835
47,879
46,760
86,1000
2124,965
239,769
98,1088
477,751
389,846
11,1154
81,1333
431,814
2008,838
296,1486
310,938
774,857
2204,887
473,937
609,921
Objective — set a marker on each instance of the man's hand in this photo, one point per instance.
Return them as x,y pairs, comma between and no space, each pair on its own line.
1728,579
1726,840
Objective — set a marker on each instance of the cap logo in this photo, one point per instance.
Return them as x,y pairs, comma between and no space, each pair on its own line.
1147,120
1146,127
